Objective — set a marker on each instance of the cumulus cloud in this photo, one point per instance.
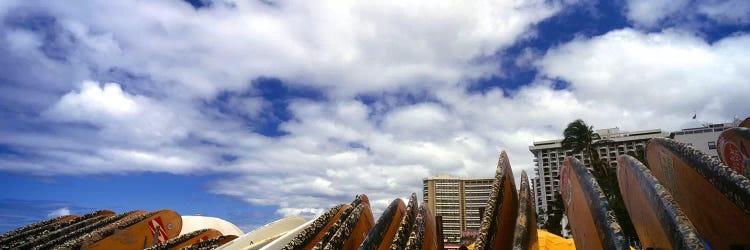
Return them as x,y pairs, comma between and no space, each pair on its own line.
370,46
96,104
646,76
172,64
120,114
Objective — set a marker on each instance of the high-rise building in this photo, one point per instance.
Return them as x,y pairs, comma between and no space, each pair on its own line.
703,138
458,201
549,157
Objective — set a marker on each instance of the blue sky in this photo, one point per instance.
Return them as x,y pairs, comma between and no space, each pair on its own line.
255,110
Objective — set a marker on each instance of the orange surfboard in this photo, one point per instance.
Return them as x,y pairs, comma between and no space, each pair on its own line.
18,232
591,219
353,230
140,232
75,225
407,222
499,219
733,147
423,235
525,236
75,238
211,243
657,219
342,221
745,123
187,239
312,234
715,198
382,234
22,235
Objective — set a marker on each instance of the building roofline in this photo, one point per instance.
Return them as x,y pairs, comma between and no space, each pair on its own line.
448,177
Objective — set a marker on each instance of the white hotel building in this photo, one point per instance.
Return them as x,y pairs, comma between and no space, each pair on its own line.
549,157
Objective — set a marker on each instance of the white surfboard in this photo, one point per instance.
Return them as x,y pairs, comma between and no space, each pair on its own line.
264,233
286,238
198,222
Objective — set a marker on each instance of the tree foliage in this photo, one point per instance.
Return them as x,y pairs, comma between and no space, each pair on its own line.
554,215
580,138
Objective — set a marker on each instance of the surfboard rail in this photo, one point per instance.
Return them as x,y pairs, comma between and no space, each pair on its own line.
591,219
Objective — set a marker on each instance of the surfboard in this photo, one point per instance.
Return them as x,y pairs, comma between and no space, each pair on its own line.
263,243
139,231
525,236
745,123
714,197
353,230
423,234
19,232
22,235
192,223
321,244
733,147
78,235
657,219
211,244
407,222
270,230
282,241
382,234
75,224
308,237
499,219
591,219
187,239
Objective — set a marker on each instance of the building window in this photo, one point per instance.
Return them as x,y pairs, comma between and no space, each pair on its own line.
712,145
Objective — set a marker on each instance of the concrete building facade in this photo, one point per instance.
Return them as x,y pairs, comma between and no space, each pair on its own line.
549,157
703,138
458,201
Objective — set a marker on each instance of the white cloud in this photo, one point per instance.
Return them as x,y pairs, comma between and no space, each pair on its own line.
656,77
93,103
345,46
120,115
652,13
339,146
59,212
731,11
649,13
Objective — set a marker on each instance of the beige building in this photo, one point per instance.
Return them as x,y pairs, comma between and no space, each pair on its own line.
549,157
458,201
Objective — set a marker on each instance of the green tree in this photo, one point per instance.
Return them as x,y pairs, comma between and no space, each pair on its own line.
580,138
554,215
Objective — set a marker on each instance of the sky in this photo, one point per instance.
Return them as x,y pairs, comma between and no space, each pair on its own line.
255,110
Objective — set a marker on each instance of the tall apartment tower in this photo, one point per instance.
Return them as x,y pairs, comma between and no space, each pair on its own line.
458,200
549,157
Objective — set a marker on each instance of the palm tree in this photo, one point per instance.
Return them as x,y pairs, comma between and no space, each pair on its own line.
579,137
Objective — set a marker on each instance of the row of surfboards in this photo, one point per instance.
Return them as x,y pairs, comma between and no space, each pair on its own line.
345,226
684,199
508,222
